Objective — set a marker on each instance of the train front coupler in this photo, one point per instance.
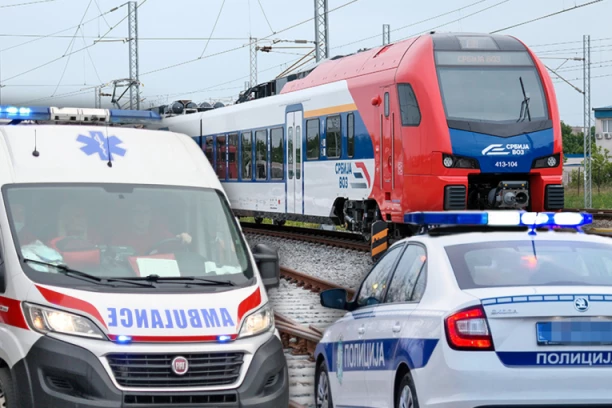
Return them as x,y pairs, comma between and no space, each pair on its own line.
509,195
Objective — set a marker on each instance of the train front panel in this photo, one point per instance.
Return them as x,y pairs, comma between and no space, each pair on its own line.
490,126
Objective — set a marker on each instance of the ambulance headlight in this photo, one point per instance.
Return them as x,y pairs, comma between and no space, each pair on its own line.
45,320
257,322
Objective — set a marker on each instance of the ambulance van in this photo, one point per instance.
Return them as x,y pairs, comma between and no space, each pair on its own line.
125,279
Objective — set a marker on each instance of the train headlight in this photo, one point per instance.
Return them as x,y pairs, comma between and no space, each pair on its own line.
459,162
546,162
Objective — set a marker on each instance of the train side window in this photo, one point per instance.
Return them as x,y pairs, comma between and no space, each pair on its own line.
313,145
333,137
298,152
247,155
232,153
350,131
277,149
261,154
409,107
386,104
221,164
208,149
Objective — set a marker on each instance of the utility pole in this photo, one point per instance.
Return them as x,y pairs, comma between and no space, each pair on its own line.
133,42
586,66
386,34
321,30
253,58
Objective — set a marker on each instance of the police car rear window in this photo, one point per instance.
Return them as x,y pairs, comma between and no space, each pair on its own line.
531,263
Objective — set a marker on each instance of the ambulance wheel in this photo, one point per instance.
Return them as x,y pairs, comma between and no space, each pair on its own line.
323,396
8,398
405,395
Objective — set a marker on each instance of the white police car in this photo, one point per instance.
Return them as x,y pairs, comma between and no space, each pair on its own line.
476,317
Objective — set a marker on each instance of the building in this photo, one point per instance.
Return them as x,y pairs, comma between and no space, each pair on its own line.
603,127
573,164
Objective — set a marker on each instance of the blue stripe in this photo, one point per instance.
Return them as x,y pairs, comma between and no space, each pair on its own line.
565,358
471,144
543,298
377,354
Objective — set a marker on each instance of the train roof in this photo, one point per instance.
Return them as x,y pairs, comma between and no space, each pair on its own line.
389,56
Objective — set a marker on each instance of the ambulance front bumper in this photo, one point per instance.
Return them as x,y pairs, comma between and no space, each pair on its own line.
58,374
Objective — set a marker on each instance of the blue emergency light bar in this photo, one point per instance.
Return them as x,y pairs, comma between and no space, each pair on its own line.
41,113
500,218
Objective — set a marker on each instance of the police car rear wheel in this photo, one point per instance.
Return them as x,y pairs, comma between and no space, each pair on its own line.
406,393
323,391
8,398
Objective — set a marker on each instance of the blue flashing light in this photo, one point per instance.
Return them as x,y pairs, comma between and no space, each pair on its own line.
133,116
500,218
224,338
24,112
122,339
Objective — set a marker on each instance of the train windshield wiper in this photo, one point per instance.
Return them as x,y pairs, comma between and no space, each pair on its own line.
524,104
187,280
66,270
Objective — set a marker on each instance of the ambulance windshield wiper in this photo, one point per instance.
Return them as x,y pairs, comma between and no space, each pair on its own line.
524,104
66,270
187,280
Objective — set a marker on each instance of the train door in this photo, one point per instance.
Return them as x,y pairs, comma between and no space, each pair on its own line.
294,162
386,144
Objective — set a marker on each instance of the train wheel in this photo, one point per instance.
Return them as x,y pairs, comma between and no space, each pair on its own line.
279,222
258,220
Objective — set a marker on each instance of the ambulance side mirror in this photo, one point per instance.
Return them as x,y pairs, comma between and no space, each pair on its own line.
268,263
334,299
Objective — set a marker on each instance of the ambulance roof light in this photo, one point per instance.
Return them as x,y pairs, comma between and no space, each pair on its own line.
55,114
500,219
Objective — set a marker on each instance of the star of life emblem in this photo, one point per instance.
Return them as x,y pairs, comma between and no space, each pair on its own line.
339,361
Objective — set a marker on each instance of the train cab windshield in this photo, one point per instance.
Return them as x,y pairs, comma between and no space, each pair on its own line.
495,87
114,236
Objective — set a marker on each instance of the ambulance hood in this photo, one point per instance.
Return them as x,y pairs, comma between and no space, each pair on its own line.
151,317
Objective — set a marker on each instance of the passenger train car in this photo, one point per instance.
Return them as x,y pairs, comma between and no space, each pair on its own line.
433,123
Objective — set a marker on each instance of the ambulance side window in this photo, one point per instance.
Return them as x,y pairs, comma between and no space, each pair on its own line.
373,288
408,282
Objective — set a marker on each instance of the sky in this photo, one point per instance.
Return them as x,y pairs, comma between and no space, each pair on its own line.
199,49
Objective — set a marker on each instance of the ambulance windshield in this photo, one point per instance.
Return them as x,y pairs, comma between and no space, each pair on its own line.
127,231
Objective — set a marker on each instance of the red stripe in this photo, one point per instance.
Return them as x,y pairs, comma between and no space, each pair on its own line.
170,339
248,304
14,315
361,165
70,302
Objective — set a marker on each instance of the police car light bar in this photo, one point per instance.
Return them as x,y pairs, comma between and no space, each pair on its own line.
500,218
54,114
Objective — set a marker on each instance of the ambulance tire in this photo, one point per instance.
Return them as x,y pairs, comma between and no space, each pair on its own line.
8,398
322,372
405,395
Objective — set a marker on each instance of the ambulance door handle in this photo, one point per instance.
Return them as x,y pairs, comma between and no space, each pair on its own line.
361,330
397,328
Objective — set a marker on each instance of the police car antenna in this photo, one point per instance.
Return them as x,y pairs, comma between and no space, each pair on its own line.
110,163
35,152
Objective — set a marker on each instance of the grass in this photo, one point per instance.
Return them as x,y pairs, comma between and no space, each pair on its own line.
289,223
601,200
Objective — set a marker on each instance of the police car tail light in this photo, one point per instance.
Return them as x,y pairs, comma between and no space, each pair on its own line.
46,320
468,329
257,322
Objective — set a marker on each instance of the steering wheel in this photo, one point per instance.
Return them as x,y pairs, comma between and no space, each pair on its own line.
155,247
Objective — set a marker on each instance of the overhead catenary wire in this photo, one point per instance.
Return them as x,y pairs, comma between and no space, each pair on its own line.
27,4
214,26
265,16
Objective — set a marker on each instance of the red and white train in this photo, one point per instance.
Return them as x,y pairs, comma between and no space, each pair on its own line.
433,123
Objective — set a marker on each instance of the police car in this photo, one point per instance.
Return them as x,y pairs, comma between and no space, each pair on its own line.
124,278
498,309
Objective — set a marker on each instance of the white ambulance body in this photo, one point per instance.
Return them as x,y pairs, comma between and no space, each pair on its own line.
126,281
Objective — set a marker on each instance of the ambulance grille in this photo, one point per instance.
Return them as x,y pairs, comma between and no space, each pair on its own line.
155,371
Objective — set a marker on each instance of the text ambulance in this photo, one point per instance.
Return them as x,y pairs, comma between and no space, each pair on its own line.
124,278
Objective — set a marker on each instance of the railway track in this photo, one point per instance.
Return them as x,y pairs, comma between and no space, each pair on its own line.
300,338
333,238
